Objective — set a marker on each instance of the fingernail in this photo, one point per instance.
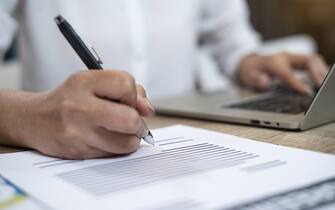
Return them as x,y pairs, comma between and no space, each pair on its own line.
150,106
264,82
309,91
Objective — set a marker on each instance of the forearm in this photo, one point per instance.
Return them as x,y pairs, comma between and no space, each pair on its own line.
14,111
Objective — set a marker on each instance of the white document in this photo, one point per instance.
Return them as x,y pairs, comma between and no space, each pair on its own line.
188,169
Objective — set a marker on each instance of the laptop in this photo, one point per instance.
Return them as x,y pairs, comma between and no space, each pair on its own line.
280,108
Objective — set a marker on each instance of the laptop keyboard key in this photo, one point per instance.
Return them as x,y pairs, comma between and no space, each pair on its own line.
284,100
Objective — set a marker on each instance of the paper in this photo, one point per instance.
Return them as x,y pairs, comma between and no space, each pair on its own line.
189,169
11,198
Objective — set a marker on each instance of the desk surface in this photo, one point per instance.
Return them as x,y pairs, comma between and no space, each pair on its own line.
321,139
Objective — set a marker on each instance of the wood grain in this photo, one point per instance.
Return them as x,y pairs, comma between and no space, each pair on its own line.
321,139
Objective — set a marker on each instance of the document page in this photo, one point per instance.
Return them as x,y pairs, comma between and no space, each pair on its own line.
189,168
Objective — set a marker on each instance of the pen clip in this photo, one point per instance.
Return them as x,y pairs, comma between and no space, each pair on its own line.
96,55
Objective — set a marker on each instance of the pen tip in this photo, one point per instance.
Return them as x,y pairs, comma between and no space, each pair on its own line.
59,19
150,140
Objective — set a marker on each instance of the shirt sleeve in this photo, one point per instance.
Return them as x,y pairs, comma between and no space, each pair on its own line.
226,32
8,25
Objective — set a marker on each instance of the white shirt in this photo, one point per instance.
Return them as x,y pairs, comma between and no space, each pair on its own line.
157,41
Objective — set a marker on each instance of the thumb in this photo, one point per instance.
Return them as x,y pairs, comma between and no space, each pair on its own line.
143,105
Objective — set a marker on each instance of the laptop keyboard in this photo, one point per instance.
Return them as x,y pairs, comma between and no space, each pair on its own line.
315,196
284,100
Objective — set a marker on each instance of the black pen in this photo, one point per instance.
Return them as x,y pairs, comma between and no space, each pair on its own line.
91,60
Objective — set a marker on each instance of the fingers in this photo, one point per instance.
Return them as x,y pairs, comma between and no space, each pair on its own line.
143,106
141,91
281,66
92,114
115,116
256,79
96,143
313,64
256,71
259,80
114,85
74,151
115,143
251,74
93,152
286,73
318,69
84,152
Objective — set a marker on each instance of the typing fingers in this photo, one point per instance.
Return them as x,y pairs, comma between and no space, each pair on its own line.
318,69
313,64
282,66
286,73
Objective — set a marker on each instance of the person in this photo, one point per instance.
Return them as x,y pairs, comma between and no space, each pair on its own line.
74,114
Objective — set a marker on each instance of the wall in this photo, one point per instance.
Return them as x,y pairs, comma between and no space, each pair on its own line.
275,18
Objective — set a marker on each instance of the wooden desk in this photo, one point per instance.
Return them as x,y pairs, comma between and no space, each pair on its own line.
321,139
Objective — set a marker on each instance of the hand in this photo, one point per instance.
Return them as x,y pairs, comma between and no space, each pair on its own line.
92,114
257,71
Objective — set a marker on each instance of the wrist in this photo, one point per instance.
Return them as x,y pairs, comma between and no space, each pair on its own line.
16,117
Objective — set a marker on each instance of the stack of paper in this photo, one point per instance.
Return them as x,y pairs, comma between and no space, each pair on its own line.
189,169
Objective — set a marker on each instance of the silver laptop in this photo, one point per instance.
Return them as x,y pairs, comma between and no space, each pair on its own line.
279,108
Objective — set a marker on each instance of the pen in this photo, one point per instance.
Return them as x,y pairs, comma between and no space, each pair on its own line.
92,61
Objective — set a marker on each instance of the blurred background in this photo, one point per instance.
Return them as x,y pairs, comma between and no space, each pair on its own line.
302,26
278,18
